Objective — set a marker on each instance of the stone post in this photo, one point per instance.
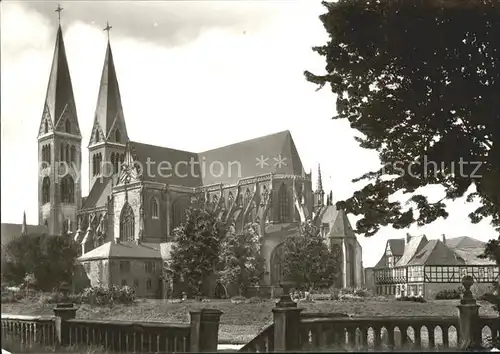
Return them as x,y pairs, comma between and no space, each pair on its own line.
286,322
468,312
204,335
63,312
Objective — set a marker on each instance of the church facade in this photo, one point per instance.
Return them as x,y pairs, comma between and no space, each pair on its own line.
139,192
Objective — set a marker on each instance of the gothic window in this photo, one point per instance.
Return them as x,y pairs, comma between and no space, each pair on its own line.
215,200
73,154
45,190
116,165
97,136
277,264
93,164
284,207
352,265
246,199
154,208
61,153
46,127
177,213
127,223
67,153
113,162
117,136
48,154
230,200
46,223
68,126
67,189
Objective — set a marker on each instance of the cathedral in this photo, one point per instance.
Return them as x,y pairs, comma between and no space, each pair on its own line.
138,193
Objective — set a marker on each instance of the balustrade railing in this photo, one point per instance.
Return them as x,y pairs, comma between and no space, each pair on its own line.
28,331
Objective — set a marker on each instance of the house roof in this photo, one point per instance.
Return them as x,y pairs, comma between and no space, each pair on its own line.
464,242
470,256
123,250
397,246
435,252
415,244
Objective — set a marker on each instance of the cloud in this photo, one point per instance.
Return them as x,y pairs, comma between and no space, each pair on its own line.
214,75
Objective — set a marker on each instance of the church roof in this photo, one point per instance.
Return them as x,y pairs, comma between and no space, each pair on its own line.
99,193
338,221
109,110
226,164
59,96
142,152
246,155
123,250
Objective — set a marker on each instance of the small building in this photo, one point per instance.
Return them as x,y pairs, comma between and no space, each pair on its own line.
416,266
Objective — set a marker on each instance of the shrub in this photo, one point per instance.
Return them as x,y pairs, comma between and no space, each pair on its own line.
100,295
321,297
412,298
11,297
238,300
57,297
448,294
255,300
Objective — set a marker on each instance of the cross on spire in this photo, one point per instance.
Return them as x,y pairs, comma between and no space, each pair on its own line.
107,28
58,10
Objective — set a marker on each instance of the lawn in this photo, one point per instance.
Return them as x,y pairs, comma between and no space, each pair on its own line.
241,322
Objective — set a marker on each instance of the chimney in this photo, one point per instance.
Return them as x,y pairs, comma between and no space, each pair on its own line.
444,238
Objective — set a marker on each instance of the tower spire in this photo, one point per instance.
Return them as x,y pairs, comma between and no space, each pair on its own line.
59,99
109,111
24,226
319,183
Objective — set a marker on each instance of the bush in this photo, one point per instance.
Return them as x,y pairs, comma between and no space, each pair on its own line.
449,294
412,298
100,295
11,297
255,300
321,297
57,297
238,300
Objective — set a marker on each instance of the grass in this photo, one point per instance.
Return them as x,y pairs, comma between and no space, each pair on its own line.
241,322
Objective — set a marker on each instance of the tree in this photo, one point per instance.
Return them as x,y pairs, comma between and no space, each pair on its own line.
307,260
47,261
420,81
196,251
241,263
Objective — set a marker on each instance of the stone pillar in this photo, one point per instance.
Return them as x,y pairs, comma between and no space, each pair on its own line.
204,335
286,322
469,329
63,312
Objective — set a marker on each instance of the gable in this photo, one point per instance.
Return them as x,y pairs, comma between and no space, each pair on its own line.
68,115
45,118
96,129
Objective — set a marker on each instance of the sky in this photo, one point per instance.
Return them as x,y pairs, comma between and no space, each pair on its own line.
193,76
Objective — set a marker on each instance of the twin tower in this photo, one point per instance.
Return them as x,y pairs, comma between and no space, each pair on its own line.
60,142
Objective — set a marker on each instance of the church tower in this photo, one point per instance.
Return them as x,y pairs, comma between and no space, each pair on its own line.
59,149
109,132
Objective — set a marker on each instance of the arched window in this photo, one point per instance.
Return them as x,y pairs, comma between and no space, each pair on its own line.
246,198
284,207
46,223
127,223
46,127
117,136
97,136
46,190
116,165
73,154
47,153
351,257
276,263
67,154
178,208
113,162
154,208
61,153
68,126
98,160
67,190
94,163
230,200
